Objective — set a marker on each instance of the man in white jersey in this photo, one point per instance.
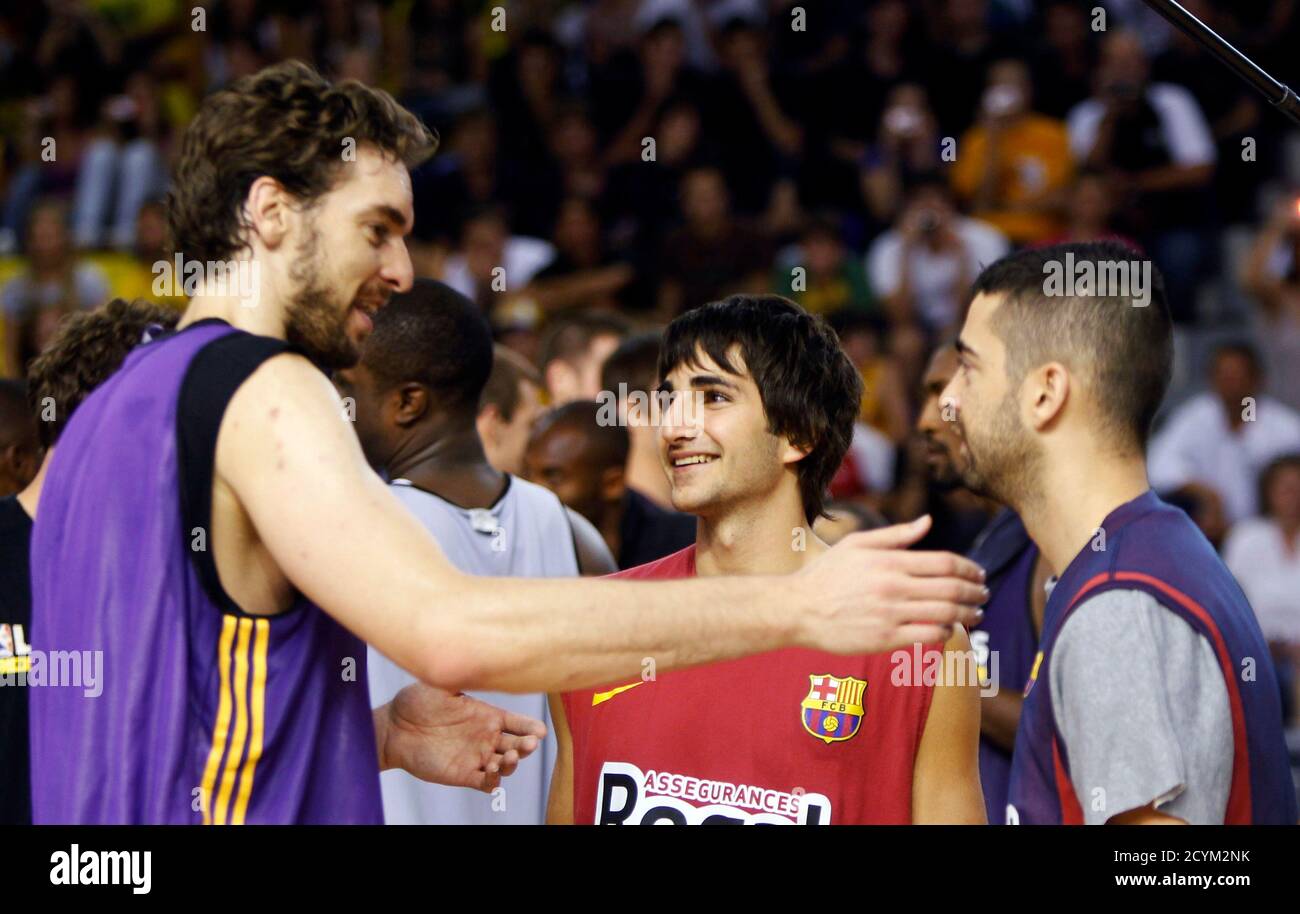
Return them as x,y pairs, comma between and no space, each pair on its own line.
415,397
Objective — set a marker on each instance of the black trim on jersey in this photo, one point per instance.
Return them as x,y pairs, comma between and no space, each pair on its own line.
214,374
407,484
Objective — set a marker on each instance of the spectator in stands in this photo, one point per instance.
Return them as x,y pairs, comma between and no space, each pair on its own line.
492,263
1153,141
574,350
56,282
1014,165
1223,438
583,274
1089,212
507,408
1272,276
821,273
714,253
1065,59
956,70
923,266
906,149
1263,554
884,391
582,460
53,140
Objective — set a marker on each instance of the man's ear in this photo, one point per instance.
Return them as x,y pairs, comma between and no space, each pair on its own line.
268,211
487,423
791,453
1044,393
408,403
612,484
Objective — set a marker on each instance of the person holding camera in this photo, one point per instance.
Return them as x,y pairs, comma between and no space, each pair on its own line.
1014,166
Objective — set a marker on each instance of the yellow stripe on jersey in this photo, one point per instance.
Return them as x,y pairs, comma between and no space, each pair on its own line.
222,726
262,628
599,697
241,722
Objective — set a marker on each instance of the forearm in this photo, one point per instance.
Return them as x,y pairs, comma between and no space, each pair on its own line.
1173,177
560,635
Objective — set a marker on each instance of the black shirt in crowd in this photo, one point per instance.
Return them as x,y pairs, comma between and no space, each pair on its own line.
15,655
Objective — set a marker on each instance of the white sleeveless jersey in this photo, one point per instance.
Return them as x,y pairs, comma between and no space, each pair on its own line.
526,534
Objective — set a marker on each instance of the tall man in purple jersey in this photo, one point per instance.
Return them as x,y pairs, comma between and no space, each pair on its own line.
211,525
1151,698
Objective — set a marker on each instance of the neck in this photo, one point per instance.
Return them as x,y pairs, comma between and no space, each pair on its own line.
1074,497
30,497
451,463
769,536
234,310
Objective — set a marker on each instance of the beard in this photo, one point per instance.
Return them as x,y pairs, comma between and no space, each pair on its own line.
316,320
1002,459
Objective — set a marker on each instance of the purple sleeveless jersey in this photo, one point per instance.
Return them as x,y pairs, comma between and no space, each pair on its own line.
199,715
1155,548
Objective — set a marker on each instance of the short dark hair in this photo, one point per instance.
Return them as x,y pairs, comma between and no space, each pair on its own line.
571,335
287,122
1269,473
810,390
607,442
86,349
509,370
1123,351
434,336
635,363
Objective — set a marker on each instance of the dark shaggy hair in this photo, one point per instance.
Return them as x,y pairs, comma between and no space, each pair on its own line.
810,390
434,336
285,121
1123,352
87,348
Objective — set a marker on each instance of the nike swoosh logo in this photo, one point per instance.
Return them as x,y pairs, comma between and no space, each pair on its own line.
598,697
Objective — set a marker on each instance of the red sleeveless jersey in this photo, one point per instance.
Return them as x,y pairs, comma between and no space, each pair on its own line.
789,737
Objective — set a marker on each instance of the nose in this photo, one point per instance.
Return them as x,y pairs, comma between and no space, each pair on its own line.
678,422
397,271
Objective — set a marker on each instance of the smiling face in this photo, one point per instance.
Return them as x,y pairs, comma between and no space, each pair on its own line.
998,456
347,256
715,442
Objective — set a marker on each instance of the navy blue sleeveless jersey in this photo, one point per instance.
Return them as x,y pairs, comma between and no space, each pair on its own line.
1153,547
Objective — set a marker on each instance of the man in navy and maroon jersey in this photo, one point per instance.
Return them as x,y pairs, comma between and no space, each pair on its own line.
210,524
763,403
1152,698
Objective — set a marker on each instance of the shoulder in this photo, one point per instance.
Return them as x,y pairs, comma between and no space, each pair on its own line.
680,564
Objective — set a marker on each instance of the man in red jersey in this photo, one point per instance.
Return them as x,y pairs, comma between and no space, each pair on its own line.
761,408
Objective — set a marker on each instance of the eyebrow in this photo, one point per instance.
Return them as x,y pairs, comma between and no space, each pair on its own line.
963,349
711,380
390,213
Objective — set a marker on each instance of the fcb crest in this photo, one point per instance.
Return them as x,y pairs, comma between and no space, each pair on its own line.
834,707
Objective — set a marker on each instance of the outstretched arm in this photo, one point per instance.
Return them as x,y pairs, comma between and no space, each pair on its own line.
342,539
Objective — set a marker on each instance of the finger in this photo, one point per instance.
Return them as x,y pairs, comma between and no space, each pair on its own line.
524,745
509,762
898,536
948,590
489,781
939,564
935,612
523,725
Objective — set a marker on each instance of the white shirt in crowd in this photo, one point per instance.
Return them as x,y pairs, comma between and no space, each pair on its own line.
1197,444
934,275
1183,128
1269,573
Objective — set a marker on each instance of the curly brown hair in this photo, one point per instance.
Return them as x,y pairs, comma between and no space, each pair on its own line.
287,122
87,348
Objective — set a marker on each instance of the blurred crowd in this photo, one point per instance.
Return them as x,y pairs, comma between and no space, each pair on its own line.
606,164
